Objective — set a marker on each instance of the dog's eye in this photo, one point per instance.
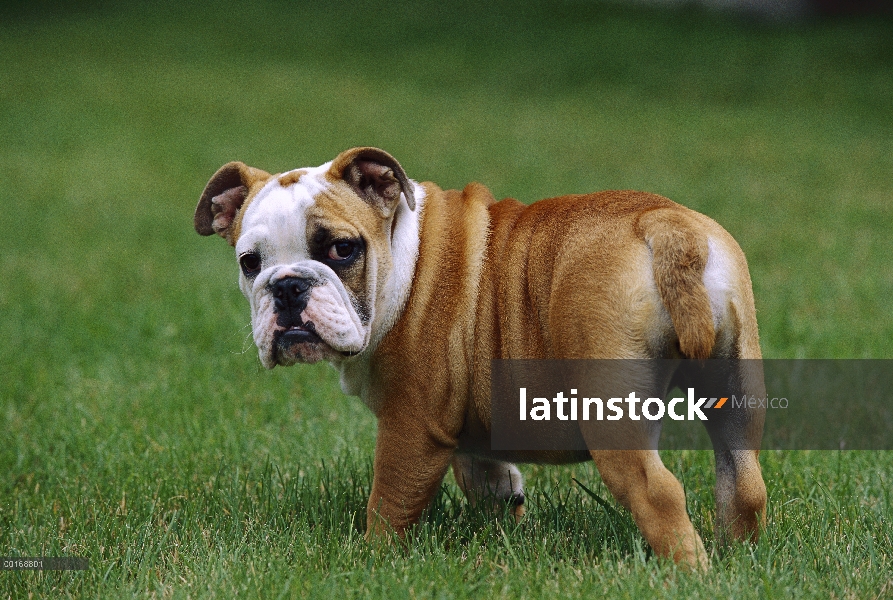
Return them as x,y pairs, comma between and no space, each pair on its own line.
340,251
250,263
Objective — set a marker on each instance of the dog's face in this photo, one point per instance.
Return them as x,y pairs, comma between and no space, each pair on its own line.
315,250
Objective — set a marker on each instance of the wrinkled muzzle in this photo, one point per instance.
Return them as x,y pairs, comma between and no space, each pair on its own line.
303,320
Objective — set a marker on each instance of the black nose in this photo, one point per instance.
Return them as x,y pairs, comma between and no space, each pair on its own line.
290,294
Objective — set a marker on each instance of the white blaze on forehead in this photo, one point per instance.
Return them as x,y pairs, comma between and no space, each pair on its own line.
275,223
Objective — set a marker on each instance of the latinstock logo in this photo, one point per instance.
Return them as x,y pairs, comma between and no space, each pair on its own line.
572,408
580,405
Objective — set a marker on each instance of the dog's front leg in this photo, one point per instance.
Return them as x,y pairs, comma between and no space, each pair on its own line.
411,459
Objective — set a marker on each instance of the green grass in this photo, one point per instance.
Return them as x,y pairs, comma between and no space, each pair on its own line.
139,429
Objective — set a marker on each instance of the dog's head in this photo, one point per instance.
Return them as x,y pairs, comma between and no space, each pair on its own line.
326,254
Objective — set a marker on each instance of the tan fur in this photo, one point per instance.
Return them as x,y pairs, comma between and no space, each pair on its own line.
610,275
291,177
680,255
545,270
330,211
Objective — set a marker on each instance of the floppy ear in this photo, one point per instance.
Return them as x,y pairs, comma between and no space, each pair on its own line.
224,195
375,176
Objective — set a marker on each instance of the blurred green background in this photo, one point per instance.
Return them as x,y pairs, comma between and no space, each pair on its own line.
126,367
114,118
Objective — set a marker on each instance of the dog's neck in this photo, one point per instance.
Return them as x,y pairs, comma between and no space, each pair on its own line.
392,294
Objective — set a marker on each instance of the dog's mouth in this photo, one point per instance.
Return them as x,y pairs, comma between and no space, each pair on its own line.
297,343
302,333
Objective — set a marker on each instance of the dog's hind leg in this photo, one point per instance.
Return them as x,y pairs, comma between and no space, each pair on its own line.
641,483
740,495
736,431
625,453
488,480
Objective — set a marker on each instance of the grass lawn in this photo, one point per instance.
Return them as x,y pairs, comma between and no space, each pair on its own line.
140,429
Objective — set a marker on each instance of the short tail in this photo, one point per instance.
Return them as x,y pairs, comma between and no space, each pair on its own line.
680,256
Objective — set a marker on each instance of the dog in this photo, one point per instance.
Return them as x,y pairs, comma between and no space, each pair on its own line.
410,292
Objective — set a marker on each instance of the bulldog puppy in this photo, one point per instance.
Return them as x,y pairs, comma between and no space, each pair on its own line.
410,291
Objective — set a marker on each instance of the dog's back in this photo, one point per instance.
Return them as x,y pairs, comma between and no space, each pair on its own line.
634,275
